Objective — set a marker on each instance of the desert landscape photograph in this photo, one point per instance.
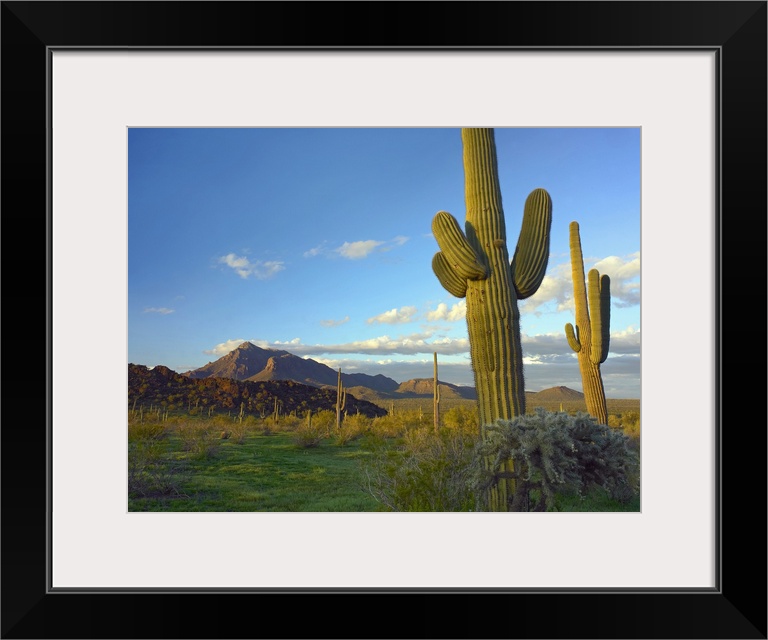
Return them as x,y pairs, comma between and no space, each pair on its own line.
383,319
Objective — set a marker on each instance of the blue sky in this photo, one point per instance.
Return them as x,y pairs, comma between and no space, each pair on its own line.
318,241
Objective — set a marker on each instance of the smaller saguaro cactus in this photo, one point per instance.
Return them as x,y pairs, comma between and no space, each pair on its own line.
341,400
590,339
436,396
276,410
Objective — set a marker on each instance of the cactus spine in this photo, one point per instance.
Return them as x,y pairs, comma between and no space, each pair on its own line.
591,337
476,265
341,400
436,396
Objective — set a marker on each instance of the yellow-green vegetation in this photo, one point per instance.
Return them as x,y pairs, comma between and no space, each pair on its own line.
396,462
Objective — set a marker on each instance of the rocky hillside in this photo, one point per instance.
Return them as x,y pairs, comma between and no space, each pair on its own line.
162,387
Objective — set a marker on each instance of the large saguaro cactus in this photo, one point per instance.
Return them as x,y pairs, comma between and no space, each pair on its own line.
475,264
591,338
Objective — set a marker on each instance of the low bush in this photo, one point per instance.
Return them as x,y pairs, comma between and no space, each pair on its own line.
308,435
427,471
200,439
554,452
146,431
149,474
352,427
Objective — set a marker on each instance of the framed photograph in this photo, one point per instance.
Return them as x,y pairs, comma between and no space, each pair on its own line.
78,78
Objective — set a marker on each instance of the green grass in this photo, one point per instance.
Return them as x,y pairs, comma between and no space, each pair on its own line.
265,473
596,500
183,465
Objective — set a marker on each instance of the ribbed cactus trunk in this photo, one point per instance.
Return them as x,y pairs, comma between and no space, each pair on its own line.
591,337
493,319
476,264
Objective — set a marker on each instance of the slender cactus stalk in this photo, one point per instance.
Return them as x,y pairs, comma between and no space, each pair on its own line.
341,400
591,336
436,396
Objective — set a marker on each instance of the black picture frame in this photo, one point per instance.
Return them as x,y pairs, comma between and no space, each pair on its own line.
736,608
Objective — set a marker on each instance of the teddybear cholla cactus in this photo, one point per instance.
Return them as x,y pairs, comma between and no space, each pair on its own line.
476,265
590,339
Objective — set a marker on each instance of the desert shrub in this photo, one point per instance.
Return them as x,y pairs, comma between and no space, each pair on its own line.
428,471
149,474
308,434
630,419
325,421
629,423
385,427
394,425
554,452
200,438
146,431
239,429
614,421
352,427
460,418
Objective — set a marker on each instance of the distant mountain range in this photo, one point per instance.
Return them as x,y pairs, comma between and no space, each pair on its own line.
254,364
250,363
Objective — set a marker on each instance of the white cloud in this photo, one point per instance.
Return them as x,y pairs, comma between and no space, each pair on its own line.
556,288
334,323
223,348
410,344
624,274
261,270
457,312
161,310
394,316
620,269
625,342
315,251
359,249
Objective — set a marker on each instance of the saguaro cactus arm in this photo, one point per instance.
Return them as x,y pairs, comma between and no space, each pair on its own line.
599,292
532,253
573,337
451,281
458,261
